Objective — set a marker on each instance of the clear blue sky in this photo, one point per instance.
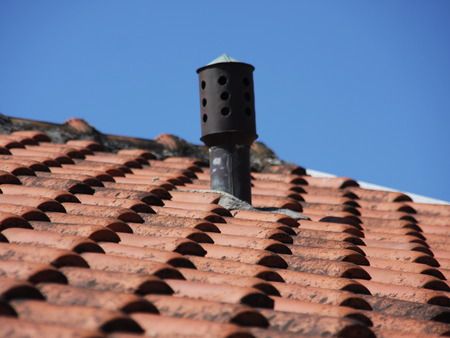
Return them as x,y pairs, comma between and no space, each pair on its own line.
354,88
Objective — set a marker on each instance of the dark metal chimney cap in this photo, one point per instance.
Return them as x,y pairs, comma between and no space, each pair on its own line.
224,58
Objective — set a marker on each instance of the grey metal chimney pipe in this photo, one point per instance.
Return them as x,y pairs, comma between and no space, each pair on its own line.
228,122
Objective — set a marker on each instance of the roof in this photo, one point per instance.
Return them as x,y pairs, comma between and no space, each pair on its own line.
111,236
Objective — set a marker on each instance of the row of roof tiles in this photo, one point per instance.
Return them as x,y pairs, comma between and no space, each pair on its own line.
121,244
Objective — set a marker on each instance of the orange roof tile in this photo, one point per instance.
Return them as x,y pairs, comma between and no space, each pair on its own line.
104,239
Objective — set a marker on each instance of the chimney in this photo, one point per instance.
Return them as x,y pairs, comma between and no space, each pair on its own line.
227,110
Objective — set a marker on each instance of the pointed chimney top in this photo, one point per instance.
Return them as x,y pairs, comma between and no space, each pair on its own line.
223,58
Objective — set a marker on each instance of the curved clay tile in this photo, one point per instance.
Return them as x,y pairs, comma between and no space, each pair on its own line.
44,161
399,255
23,139
161,231
16,168
235,268
114,263
58,294
280,186
97,233
261,201
72,186
330,227
414,310
254,231
286,169
52,194
189,160
244,255
177,221
33,165
404,242
115,281
74,170
199,309
297,306
146,197
113,170
344,236
51,256
7,143
17,327
128,161
406,293
378,195
426,209
134,205
59,157
10,220
151,172
322,296
80,149
91,145
408,327
265,216
330,182
171,179
405,278
325,267
190,166
162,256
41,203
322,281
32,272
28,213
137,152
221,278
279,178
250,243
276,192
56,149
312,325
15,289
332,192
123,214
159,189
74,316
90,180
180,245
8,178
33,134
220,293
51,240
171,326
196,197
111,223
340,255
217,209
196,214
323,243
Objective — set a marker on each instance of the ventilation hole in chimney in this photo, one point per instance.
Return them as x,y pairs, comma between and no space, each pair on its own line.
205,118
247,96
224,96
203,84
225,111
248,112
246,82
222,80
204,102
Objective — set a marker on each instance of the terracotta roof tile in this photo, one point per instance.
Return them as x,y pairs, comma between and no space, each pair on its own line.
20,328
32,272
115,281
58,294
53,194
163,326
199,309
33,134
314,325
81,317
130,240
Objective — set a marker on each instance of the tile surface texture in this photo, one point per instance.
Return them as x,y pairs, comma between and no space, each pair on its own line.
123,241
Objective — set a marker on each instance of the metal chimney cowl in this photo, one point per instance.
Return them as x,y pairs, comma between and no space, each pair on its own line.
227,108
